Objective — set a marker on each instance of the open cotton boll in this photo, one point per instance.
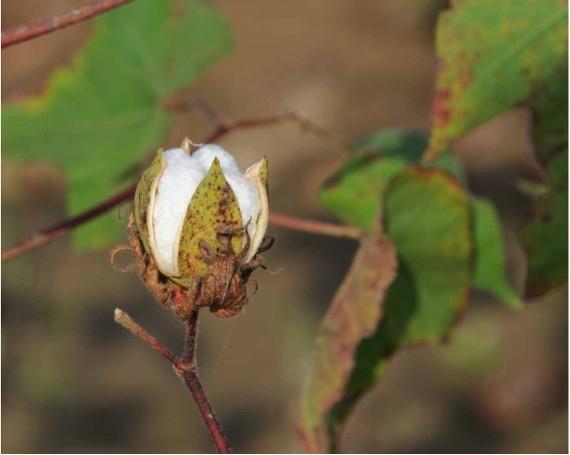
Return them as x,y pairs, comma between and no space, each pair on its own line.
182,175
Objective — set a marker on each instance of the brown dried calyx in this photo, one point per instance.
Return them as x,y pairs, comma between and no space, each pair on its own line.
223,289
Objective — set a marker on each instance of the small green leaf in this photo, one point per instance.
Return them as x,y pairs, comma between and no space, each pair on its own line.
492,57
101,115
545,238
353,315
489,256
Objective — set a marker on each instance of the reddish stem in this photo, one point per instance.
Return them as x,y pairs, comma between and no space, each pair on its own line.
185,367
51,233
314,227
44,26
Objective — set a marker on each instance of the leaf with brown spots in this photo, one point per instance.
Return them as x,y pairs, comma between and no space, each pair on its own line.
352,316
427,216
494,55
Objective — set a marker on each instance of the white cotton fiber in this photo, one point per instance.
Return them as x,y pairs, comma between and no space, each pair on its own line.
176,186
206,154
182,175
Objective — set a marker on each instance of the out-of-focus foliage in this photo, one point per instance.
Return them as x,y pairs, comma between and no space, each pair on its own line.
98,117
352,316
546,236
355,194
435,256
489,272
492,57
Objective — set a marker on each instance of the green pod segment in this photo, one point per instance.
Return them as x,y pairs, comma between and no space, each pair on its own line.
213,209
144,199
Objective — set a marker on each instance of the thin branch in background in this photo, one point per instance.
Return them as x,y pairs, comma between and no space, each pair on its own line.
315,227
44,26
51,233
185,366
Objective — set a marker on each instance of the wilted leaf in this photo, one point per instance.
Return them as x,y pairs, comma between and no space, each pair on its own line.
98,117
353,315
494,55
489,255
427,217
546,237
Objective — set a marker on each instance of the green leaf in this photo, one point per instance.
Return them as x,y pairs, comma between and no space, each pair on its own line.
353,315
489,256
494,55
101,115
545,238
354,193
427,216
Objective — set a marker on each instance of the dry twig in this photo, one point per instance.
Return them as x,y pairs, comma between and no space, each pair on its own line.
185,366
41,27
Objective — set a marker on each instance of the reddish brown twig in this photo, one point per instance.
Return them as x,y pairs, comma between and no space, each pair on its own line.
51,233
44,26
315,227
185,366
128,323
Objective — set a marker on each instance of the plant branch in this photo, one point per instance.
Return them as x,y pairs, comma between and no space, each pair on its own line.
51,233
185,367
44,26
315,227
128,323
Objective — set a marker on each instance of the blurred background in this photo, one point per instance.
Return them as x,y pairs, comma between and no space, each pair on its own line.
73,381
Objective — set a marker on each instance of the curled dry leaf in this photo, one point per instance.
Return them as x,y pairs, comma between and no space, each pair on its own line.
352,316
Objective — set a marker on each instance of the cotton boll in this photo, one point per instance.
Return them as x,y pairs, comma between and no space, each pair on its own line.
177,185
181,175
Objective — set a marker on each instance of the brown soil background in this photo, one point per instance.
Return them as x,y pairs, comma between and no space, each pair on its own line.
73,381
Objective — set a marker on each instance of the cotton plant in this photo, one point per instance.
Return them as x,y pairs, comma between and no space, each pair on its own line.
198,225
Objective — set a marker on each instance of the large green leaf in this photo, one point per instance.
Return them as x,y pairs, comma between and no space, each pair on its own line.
427,216
494,55
352,316
354,195
99,116
489,255
546,237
